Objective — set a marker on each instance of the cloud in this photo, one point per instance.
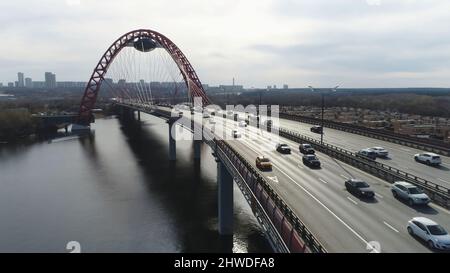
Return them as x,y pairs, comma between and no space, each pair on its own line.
299,42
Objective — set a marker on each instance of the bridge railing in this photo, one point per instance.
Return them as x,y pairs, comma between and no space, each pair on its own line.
295,234
414,142
439,194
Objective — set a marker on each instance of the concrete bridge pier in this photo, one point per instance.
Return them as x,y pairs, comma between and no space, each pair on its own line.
139,115
126,113
225,202
197,151
121,112
172,142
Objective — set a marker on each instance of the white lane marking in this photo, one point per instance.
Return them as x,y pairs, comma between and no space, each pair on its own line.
300,166
391,227
323,181
443,180
406,150
324,206
345,177
351,200
379,195
273,178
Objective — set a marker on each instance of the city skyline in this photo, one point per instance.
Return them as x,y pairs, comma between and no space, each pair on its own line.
352,43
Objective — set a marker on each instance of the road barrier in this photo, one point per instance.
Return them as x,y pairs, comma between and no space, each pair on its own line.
293,231
439,194
429,145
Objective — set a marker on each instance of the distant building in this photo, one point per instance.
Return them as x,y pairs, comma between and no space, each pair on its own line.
227,88
1,84
20,81
285,87
69,84
10,84
16,84
39,84
109,82
50,80
28,83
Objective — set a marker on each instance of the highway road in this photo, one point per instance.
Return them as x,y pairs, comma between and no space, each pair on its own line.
400,157
340,221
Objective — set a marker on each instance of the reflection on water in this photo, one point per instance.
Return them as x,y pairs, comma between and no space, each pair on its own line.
116,191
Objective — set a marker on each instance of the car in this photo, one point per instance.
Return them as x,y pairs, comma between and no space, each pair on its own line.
206,115
242,124
410,193
235,134
212,121
267,123
428,158
311,161
306,149
317,129
429,231
380,151
359,188
263,163
283,148
367,153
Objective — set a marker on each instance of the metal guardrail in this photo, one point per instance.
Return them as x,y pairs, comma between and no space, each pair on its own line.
414,142
239,177
438,193
294,232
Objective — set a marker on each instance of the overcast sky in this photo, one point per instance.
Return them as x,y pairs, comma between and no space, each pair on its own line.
353,43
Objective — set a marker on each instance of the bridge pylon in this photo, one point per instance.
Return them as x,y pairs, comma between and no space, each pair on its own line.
172,139
225,199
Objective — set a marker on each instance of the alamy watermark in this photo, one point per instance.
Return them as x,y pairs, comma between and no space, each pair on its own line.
233,122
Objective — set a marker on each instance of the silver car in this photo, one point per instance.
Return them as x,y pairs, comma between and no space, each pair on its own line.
410,193
380,151
429,231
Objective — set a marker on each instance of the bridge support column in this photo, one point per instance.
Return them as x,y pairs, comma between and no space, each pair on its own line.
172,142
197,146
225,195
139,115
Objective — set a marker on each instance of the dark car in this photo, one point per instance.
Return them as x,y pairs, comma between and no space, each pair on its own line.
268,123
317,129
283,148
359,188
306,149
311,161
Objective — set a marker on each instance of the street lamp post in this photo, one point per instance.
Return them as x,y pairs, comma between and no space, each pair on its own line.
323,108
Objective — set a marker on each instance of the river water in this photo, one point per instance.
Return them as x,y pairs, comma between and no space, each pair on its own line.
116,191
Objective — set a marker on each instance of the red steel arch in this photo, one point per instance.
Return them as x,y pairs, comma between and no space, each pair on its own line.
191,79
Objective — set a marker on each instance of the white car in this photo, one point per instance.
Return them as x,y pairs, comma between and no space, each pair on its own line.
380,151
428,158
242,124
206,115
410,193
212,121
429,231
